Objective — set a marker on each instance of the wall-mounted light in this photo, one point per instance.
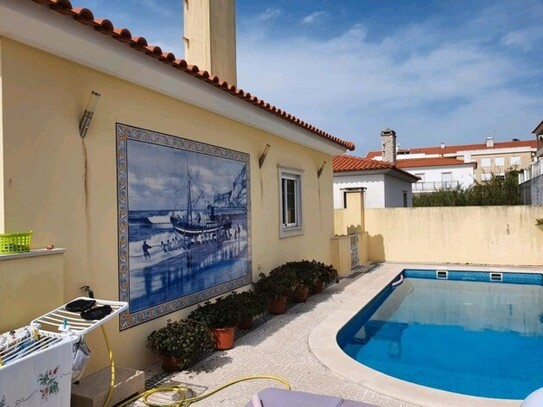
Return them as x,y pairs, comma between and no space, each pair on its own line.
321,169
87,115
263,155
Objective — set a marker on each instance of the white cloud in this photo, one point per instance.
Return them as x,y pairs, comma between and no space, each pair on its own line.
269,14
455,91
314,17
524,39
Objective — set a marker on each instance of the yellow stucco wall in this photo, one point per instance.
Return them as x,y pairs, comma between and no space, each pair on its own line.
482,235
31,286
64,188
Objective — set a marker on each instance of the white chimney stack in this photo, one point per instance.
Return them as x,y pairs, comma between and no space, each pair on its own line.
490,142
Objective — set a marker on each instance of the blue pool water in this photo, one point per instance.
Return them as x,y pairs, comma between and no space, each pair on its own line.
477,338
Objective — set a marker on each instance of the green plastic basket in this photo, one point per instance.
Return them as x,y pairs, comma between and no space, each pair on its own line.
15,242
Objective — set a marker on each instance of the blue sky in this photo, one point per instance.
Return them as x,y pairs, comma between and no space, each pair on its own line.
452,71
165,186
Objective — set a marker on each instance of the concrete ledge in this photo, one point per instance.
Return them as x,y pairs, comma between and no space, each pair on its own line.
92,391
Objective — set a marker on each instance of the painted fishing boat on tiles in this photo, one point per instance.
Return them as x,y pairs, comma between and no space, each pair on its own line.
191,223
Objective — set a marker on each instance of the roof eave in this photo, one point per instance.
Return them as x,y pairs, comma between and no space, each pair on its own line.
403,175
538,131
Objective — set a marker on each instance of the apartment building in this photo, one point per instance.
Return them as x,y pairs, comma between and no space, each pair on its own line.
460,165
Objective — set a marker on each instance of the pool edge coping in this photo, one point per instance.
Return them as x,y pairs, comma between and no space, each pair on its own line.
325,348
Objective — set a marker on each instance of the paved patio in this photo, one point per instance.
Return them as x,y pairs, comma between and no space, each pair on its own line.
279,347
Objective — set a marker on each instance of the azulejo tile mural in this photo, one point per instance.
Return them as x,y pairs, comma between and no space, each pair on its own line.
183,221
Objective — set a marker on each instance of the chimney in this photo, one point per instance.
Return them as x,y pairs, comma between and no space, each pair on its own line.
442,145
210,37
490,142
388,139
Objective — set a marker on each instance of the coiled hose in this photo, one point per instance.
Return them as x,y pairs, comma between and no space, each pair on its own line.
186,394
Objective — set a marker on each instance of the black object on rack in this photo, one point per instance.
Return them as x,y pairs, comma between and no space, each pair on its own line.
80,305
97,313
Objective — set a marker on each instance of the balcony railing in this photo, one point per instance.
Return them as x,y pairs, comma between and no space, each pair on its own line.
434,186
533,171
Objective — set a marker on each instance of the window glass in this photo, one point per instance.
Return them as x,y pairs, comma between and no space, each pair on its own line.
499,161
485,162
290,203
486,177
514,161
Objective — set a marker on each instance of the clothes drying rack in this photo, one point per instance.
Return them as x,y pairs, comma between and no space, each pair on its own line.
50,332
56,326
62,323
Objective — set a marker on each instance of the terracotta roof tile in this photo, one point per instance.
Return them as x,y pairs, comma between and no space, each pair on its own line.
86,17
346,163
430,162
463,147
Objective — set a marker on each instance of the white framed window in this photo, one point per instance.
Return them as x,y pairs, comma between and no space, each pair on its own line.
486,177
514,161
499,161
486,162
290,202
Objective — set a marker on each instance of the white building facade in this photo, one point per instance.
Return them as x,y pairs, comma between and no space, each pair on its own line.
385,185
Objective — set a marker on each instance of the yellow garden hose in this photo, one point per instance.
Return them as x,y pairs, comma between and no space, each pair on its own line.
182,391
112,364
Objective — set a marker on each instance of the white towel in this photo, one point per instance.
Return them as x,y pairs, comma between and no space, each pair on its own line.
41,378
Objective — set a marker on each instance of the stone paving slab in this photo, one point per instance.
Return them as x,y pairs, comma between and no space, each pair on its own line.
278,347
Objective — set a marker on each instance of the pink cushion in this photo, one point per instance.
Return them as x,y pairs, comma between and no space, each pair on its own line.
272,397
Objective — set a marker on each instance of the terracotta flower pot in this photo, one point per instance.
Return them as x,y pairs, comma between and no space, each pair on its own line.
246,323
278,305
170,364
318,287
301,295
224,338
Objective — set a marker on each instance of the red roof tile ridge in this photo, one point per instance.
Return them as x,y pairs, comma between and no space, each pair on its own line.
105,26
462,147
346,163
431,162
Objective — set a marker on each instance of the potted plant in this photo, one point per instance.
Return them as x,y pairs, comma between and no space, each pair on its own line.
180,343
277,287
249,304
306,279
221,317
325,275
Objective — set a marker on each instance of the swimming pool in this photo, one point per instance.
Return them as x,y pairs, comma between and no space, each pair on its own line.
472,337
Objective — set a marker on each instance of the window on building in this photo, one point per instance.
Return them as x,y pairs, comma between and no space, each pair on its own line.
486,177
420,175
405,199
486,162
499,161
291,202
514,161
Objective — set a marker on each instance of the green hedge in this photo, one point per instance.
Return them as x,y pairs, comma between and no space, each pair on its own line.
496,191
